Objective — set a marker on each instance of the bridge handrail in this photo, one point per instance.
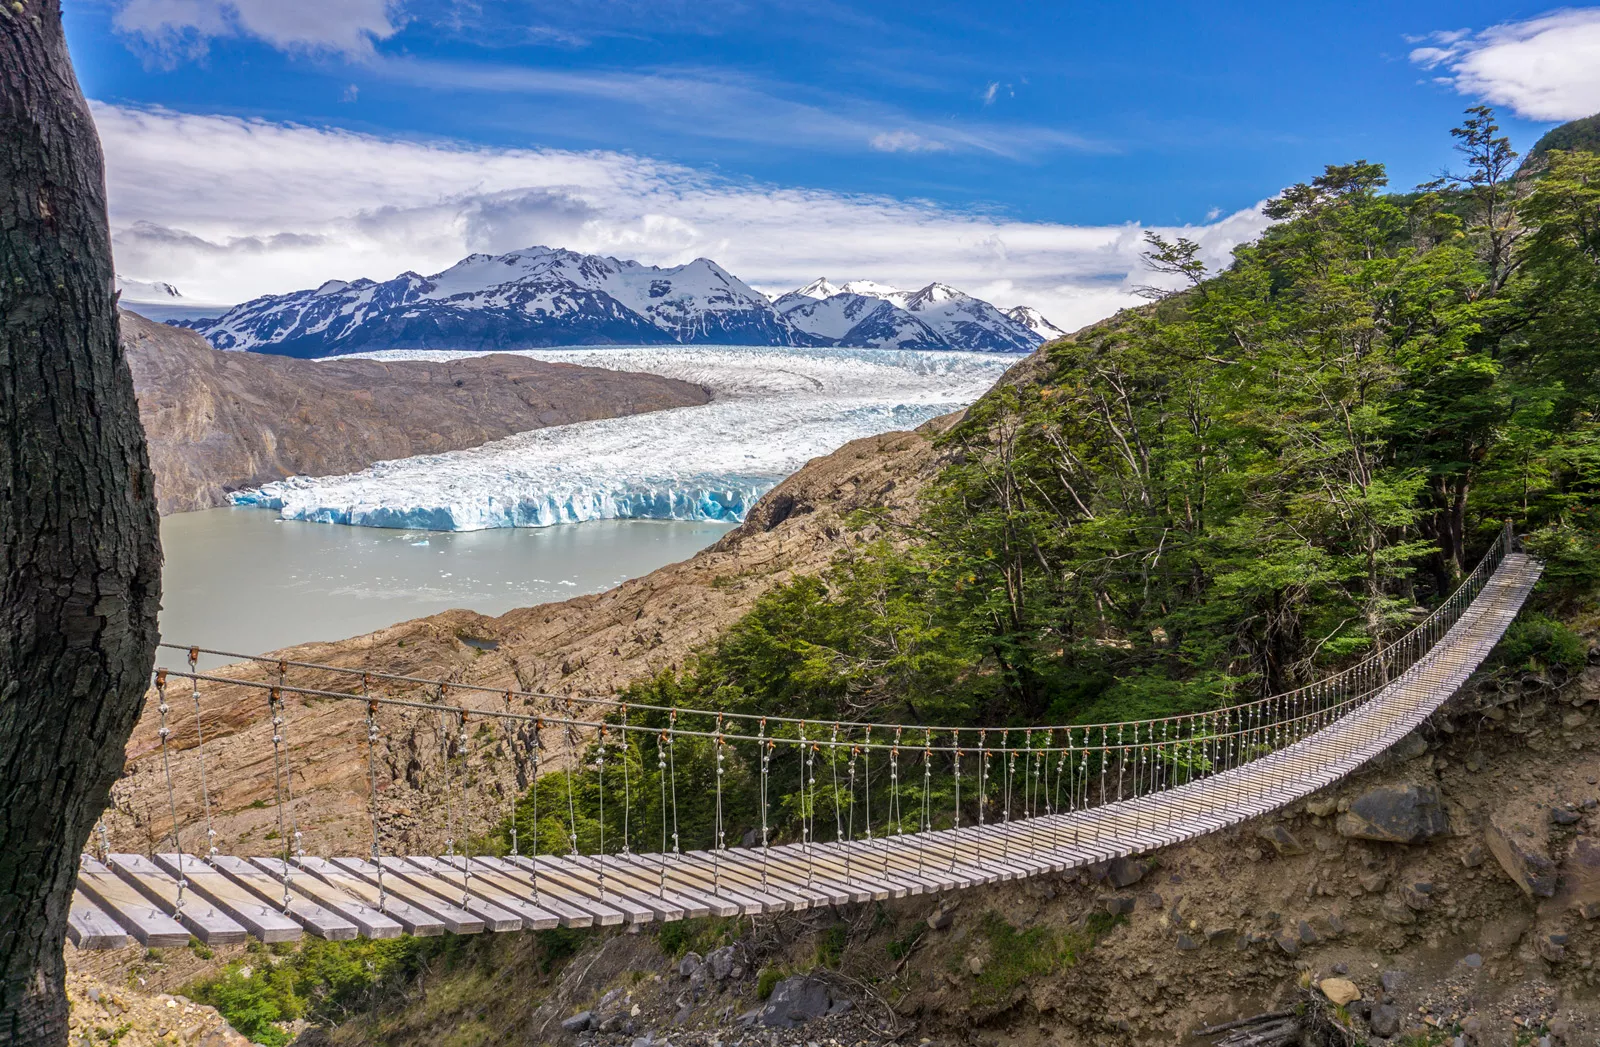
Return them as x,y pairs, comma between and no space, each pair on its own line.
1349,687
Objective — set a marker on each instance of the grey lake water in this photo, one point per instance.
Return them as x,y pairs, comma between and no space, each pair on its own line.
244,580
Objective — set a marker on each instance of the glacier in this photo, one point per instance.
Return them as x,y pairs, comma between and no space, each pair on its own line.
773,409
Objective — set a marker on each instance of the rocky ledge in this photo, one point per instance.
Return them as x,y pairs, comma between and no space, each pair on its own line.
221,421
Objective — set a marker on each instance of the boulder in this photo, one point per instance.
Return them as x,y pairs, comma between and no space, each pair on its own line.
1562,816
1339,991
1418,896
1282,840
1187,944
1580,877
1521,846
1117,904
689,964
1125,872
1385,1020
1322,807
1477,1031
1396,911
1395,814
578,1022
721,962
1552,947
795,1001
1410,747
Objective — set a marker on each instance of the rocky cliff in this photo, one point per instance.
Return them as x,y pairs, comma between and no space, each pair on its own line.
220,421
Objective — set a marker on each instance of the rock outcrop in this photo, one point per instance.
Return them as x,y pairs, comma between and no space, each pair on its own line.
221,421
1520,842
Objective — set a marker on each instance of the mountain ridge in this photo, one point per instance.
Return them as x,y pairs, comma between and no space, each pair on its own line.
544,297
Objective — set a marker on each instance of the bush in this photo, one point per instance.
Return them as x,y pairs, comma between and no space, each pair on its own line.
1536,642
830,947
766,981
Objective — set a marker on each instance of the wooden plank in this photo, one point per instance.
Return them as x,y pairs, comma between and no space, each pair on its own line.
743,867
828,861
517,885
263,918
642,882
495,918
614,880
257,885
88,926
536,874
415,920
148,925
200,915
647,867
737,887
740,885
534,917
790,872
456,920
369,921
803,869
582,886
580,876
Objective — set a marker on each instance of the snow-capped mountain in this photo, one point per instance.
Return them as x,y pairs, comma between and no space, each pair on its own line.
146,290
160,301
530,298
542,297
863,313
1034,320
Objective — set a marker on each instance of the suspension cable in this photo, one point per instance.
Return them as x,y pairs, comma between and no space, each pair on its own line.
200,753
172,797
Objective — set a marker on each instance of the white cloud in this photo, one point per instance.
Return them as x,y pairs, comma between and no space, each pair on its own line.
717,103
338,26
990,92
905,142
227,209
1545,68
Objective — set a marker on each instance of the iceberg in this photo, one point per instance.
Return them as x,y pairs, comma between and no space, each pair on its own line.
773,410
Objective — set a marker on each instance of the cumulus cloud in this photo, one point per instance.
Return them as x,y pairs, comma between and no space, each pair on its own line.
227,209
336,26
1544,68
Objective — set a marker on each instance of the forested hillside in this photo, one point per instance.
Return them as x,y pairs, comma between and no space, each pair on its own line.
1246,483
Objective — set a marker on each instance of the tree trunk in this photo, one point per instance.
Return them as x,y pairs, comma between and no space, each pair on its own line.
80,558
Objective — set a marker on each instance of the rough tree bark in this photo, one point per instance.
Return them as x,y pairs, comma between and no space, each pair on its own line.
79,554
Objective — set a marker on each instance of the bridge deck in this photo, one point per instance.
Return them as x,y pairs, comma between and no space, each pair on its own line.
432,895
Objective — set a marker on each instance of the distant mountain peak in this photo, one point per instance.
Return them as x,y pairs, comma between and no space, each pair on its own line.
819,289
1034,320
544,296
933,294
147,290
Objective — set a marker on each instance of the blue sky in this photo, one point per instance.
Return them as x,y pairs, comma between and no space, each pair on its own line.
1009,145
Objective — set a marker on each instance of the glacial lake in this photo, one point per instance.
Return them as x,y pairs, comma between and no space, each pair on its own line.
243,580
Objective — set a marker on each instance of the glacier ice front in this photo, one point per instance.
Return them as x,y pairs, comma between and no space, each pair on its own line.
774,409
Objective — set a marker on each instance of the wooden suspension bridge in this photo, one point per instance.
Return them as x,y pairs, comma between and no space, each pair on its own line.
1046,799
